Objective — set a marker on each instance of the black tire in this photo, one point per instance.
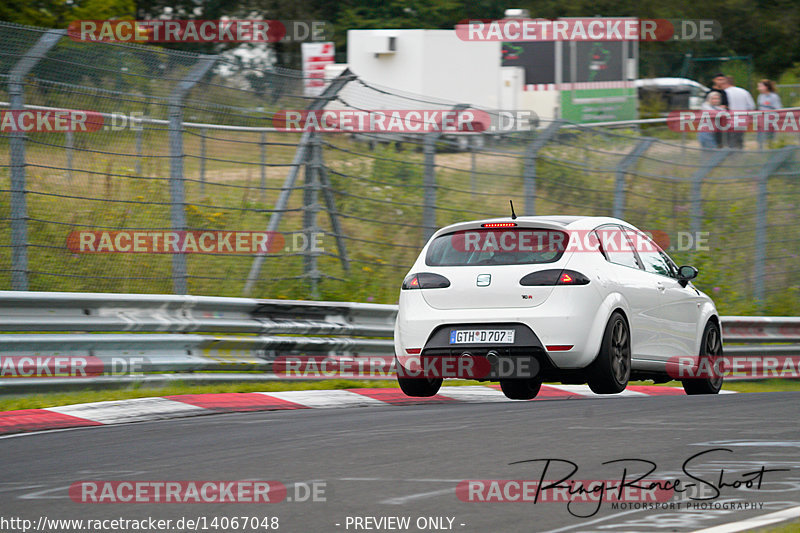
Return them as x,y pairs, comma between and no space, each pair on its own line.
710,348
420,386
520,389
611,369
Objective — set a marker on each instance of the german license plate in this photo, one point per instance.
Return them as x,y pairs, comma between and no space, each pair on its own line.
482,336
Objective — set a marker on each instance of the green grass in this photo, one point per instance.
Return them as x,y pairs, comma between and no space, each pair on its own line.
11,402
766,385
380,195
791,527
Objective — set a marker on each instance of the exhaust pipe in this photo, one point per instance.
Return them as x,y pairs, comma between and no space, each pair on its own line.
493,357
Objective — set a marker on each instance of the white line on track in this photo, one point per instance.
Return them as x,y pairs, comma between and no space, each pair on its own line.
473,393
327,398
400,500
584,390
133,410
413,480
755,522
40,494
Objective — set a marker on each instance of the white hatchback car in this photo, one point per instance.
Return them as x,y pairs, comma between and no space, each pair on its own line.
524,300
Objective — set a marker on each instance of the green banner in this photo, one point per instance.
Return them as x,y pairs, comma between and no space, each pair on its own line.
599,105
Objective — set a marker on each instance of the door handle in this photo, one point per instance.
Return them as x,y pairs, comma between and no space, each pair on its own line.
660,287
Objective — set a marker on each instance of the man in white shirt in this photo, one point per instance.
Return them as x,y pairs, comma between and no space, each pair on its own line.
738,100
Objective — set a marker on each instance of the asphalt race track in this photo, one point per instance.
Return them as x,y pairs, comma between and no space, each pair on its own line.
406,461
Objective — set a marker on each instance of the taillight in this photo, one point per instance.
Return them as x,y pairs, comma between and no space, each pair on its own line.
499,225
559,347
554,276
425,280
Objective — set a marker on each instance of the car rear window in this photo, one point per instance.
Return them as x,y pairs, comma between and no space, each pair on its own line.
497,246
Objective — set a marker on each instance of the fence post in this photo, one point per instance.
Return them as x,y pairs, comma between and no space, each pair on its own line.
696,198
429,186
333,212
70,144
176,178
311,214
529,165
759,262
139,149
328,94
263,145
19,207
683,143
203,133
627,162
429,179
472,170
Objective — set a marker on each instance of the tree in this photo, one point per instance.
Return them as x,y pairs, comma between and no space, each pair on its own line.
59,13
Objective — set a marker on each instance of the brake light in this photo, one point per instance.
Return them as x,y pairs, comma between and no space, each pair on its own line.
559,347
553,276
425,280
499,225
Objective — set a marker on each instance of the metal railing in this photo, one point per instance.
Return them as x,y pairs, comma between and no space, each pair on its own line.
171,333
761,335
133,335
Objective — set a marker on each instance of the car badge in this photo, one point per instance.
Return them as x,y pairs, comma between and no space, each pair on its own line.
484,280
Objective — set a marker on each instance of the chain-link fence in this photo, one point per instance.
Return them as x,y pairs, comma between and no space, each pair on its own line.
353,210
789,93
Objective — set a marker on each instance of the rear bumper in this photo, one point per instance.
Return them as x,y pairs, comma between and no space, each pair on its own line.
567,318
523,359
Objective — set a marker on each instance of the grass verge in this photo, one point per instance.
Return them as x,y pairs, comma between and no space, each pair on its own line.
766,385
791,527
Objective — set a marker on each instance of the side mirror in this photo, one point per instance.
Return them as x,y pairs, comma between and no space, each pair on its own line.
685,273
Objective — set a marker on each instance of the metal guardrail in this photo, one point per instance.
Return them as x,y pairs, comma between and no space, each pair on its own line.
168,333
757,336
171,333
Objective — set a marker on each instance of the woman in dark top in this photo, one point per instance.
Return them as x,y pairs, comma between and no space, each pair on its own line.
719,136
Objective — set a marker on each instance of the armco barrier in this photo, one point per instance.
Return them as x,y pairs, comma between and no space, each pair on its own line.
170,333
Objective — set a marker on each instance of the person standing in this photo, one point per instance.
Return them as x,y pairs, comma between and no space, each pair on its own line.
712,103
720,137
738,100
768,100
